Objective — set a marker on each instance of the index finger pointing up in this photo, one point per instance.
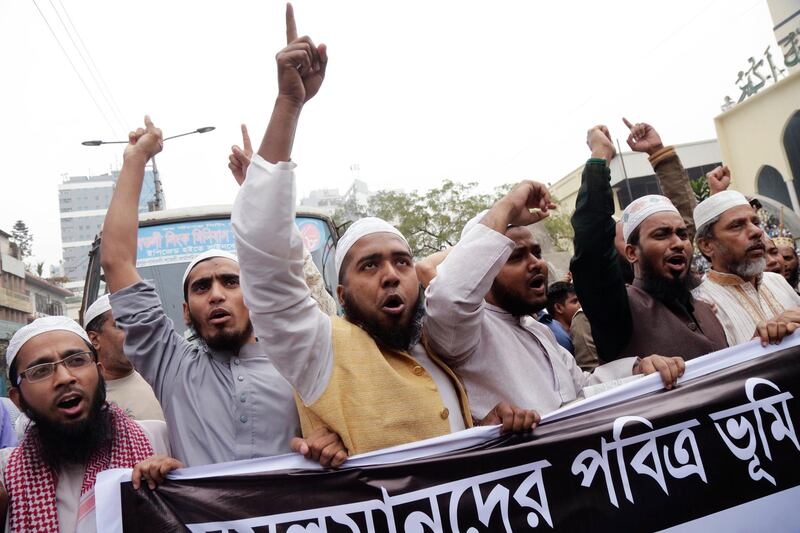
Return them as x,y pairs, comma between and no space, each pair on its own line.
625,120
291,27
248,148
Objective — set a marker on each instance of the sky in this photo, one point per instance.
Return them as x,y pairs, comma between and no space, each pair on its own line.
415,92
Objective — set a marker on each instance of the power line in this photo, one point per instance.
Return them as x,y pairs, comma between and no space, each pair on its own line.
77,73
102,83
86,64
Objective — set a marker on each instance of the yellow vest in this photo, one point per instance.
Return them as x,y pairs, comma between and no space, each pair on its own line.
378,397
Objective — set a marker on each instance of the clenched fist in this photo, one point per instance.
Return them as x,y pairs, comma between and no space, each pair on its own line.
144,142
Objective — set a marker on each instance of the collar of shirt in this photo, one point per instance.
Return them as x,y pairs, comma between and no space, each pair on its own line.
724,279
251,350
502,314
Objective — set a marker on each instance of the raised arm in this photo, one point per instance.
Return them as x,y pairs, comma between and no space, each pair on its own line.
426,267
598,279
151,342
672,177
455,296
270,247
120,228
238,163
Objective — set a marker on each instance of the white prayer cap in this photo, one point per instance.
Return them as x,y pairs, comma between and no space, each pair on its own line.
641,208
715,205
100,306
208,254
37,327
473,222
358,229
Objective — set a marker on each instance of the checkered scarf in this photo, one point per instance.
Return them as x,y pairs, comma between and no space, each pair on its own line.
31,483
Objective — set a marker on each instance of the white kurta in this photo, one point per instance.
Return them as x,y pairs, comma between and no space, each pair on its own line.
742,305
500,357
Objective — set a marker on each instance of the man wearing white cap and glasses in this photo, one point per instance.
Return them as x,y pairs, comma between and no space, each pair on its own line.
222,398
750,302
125,387
656,313
56,380
367,376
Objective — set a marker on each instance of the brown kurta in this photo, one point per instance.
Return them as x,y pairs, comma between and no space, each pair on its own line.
625,320
687,332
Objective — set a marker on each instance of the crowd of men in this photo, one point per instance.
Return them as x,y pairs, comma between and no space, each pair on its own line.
479,334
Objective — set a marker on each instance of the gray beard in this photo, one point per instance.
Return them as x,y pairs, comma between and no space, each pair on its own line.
748,268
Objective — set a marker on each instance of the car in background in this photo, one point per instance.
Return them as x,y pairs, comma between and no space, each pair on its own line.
169,239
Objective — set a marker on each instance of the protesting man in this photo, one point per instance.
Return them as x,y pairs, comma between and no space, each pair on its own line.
791,265
562,305
583,342
749,301
57,382
774,258
125,387
657,313
366,377
479,306
223,399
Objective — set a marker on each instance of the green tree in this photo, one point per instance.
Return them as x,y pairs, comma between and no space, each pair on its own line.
433,220
22,239
559,227
430,221
40,268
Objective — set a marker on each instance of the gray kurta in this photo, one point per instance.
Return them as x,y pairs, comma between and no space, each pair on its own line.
219,407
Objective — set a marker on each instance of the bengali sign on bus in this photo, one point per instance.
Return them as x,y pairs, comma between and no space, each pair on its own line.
179,242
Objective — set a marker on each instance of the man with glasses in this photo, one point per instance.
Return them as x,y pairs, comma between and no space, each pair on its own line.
57,381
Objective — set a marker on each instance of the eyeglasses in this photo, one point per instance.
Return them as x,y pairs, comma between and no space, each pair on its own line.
43,371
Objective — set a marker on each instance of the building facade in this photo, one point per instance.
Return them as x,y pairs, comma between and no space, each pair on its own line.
15,300
47,299
83,202
760,141
329,200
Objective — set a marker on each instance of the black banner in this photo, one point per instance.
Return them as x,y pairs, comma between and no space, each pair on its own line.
648,463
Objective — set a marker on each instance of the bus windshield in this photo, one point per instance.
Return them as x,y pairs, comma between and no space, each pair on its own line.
164,251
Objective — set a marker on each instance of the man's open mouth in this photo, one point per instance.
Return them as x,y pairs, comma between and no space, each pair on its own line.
70,403
677,262
393,305
219,316
538,283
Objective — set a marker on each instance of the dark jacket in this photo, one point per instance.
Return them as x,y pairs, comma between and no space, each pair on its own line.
626,320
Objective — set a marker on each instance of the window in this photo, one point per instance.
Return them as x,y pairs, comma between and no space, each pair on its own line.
770,183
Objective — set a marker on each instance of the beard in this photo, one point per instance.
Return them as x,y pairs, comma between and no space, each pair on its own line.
748,268
744,268
677,288
73,443
512,303
222,339
396,337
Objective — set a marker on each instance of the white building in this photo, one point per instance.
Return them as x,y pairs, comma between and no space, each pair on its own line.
83,202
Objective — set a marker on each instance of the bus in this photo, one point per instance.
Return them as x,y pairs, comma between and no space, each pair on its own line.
169,239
